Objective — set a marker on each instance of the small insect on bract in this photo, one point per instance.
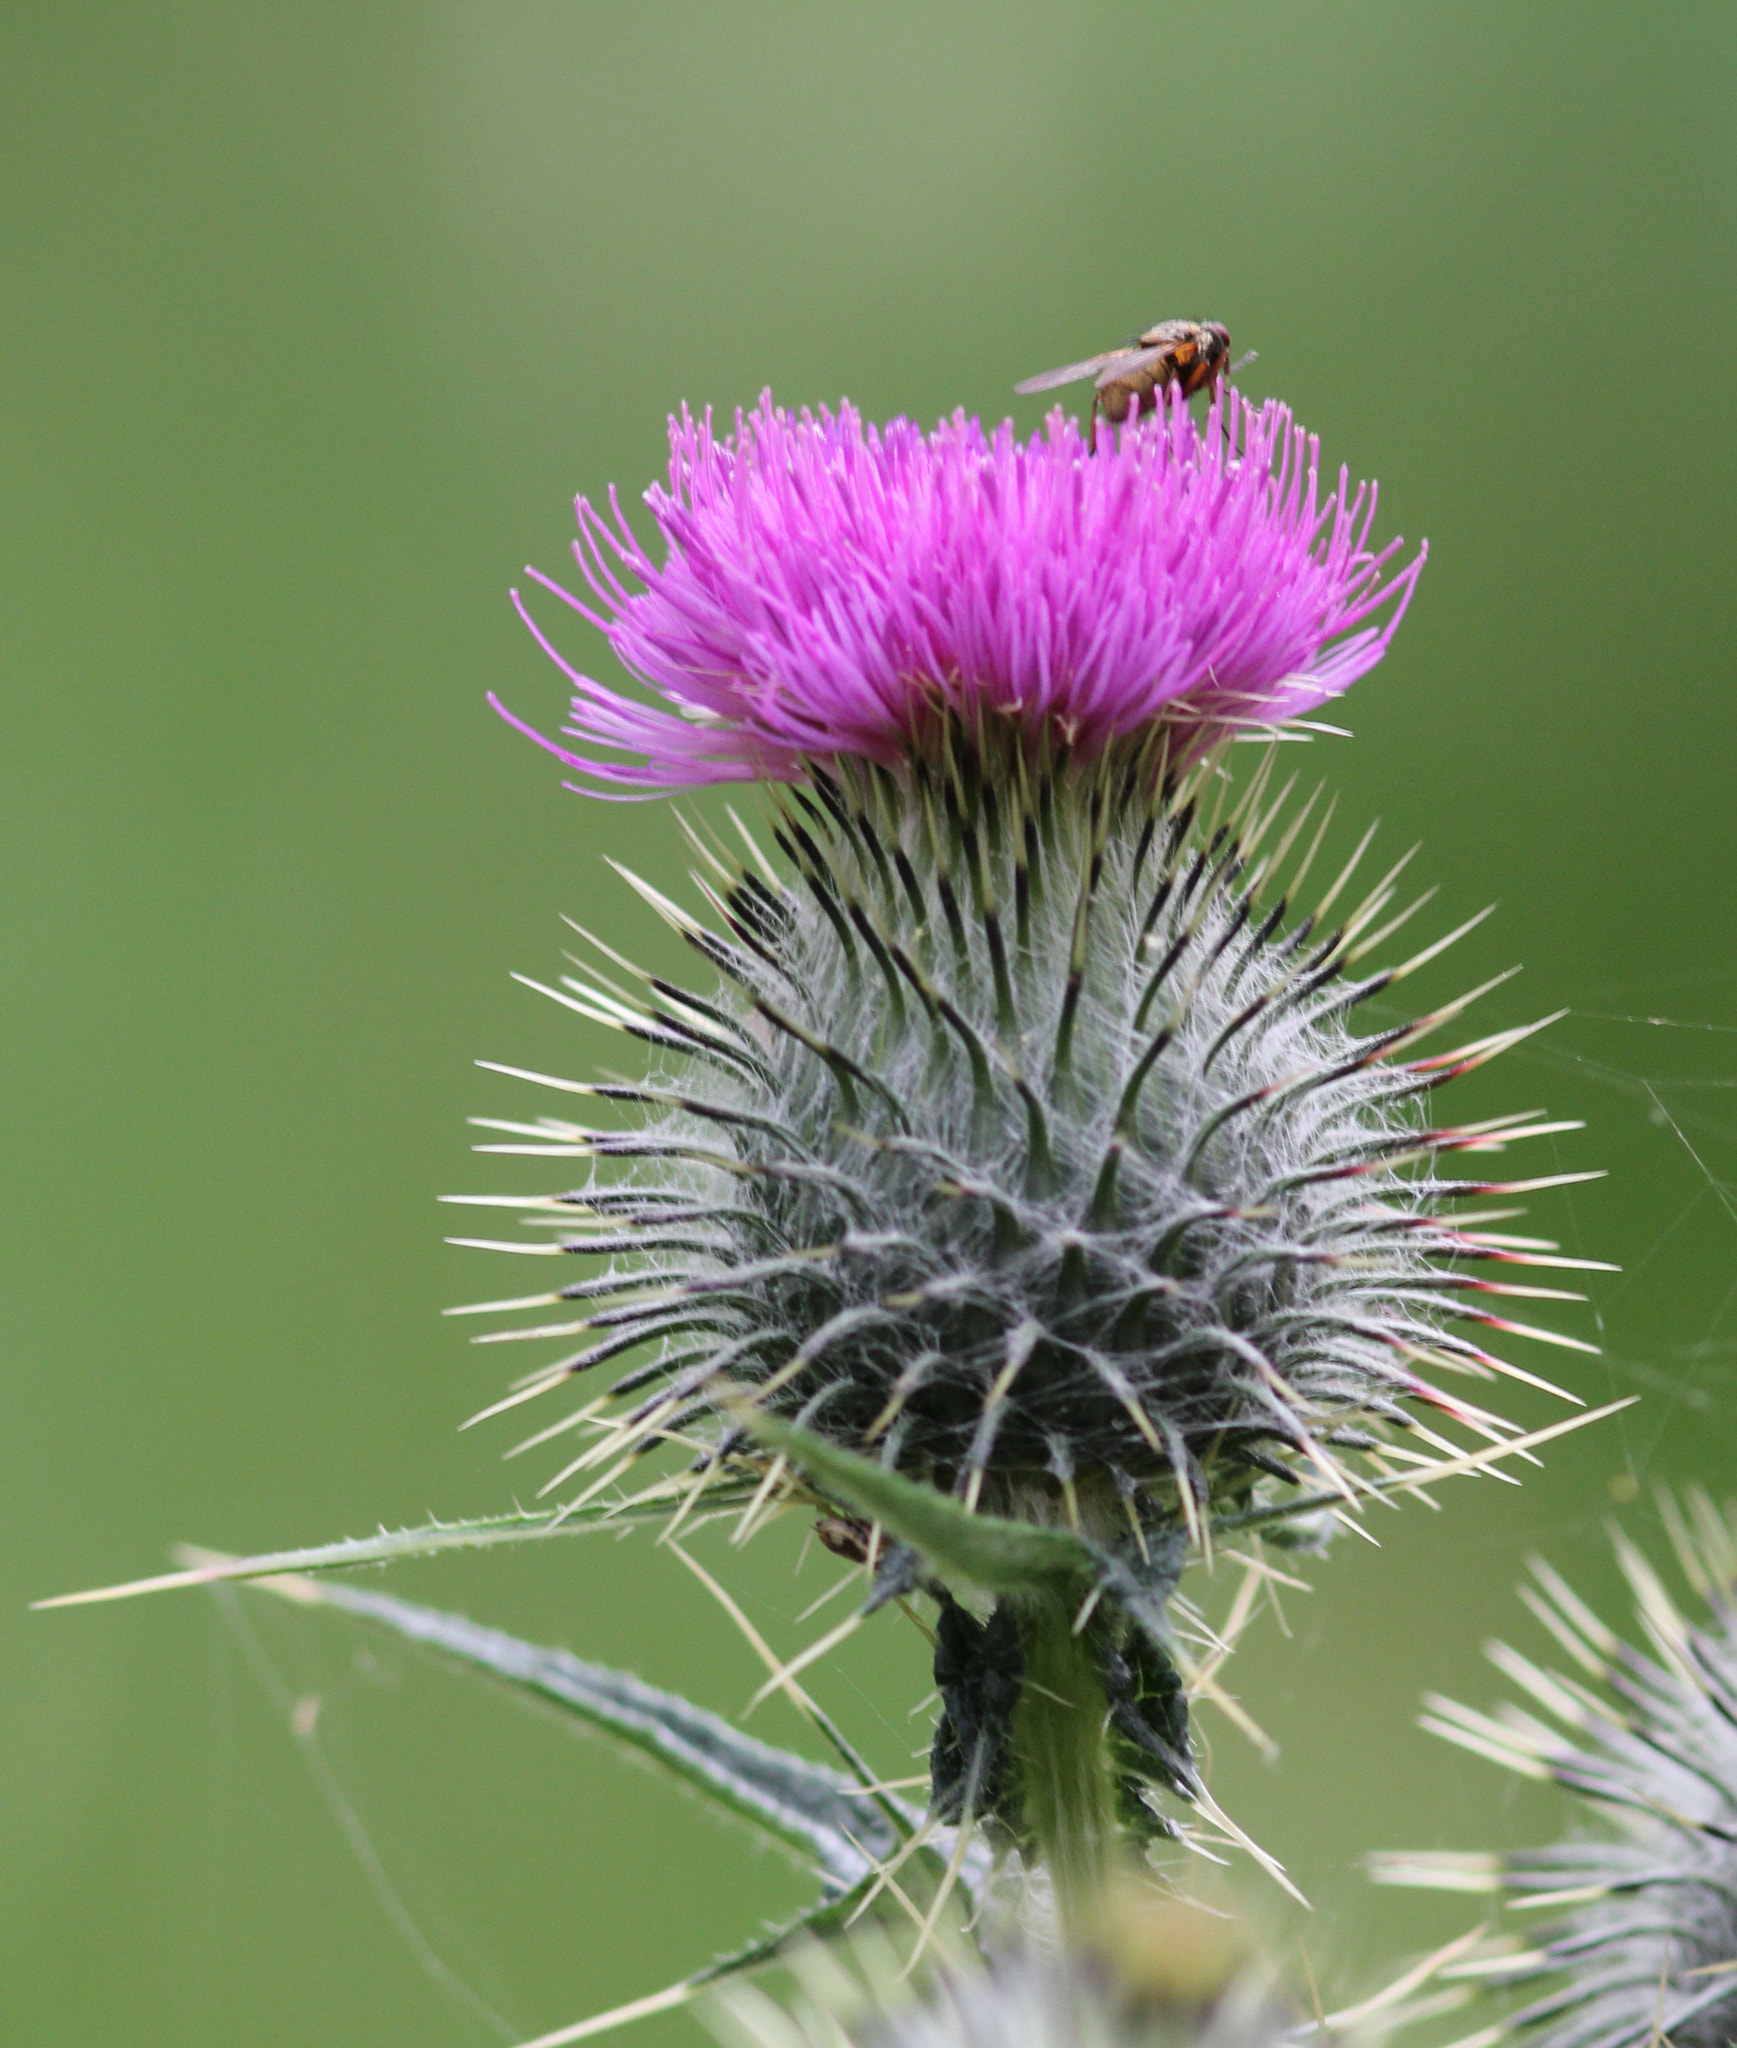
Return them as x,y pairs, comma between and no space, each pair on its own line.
845,1536
1189,354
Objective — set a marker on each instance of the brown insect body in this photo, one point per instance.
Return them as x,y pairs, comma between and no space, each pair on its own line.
846,1536
1188,354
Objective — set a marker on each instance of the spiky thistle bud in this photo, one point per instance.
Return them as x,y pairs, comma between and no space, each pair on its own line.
1155,1974
1643,1946
1024,1169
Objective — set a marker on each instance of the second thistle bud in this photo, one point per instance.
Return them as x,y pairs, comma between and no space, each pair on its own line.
1154,1973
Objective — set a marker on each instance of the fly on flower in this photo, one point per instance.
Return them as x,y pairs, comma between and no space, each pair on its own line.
1189,355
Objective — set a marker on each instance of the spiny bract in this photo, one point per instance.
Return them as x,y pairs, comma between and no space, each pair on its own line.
1027,1146
1646,1948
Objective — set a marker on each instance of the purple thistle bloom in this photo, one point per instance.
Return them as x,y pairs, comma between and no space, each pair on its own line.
834,588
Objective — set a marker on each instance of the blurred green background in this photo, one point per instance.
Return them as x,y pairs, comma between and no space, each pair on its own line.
313,319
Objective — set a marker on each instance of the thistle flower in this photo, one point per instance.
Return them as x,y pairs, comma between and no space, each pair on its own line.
1023,1171
1646,1949
836,588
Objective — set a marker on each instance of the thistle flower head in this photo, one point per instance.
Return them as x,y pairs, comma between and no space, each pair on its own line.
1023,1151
833,588
1644,1944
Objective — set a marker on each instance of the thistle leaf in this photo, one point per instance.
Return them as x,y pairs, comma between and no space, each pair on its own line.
986,1551
810,1809
522,1525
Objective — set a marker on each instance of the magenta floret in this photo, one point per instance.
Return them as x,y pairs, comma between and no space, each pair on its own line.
831,587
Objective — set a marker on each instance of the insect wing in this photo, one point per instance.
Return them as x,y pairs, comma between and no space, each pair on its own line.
1126,363
1071,374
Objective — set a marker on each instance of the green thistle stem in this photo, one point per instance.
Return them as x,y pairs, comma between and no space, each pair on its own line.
1061,1745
